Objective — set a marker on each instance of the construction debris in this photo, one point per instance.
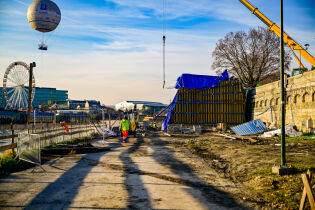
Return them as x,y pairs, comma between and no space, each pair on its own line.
237,137
227,136
252,127
103,130
289,131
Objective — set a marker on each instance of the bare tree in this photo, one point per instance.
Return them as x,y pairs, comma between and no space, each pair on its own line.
249,57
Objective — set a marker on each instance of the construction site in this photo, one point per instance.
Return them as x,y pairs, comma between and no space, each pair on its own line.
241,139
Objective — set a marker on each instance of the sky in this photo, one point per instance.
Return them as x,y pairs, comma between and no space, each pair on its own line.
111,50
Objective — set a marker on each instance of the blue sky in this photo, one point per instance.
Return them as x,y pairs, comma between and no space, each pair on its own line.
111,50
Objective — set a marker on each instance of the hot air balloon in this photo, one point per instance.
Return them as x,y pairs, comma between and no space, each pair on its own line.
43,16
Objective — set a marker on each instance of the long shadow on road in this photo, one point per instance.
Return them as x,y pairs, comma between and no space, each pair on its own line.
60,193
138,195
165,156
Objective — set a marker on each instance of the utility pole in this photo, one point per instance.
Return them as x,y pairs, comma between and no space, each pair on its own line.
30,84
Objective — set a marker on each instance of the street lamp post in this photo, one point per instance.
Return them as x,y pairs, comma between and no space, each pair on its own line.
103,119
282,91
29,109
283,169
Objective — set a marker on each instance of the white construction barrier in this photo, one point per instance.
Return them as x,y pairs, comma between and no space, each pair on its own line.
28,148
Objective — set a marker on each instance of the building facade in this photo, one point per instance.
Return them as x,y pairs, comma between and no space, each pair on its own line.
49,96
76,104
91,106
146,107
43,96
300,101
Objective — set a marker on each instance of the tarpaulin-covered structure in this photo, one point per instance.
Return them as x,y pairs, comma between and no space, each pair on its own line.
204,100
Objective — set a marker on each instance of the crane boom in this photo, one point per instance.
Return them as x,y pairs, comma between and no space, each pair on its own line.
286,38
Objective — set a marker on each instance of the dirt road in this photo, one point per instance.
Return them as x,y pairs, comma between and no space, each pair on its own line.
146,173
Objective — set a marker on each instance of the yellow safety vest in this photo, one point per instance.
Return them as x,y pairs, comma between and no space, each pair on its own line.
133,126
125,125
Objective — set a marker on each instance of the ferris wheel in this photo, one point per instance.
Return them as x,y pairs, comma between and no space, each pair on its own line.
15,86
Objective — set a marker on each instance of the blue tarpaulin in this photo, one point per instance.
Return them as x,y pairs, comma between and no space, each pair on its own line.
193,81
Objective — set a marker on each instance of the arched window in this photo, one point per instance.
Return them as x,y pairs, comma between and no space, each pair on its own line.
272,102
288,100
306,97
297,99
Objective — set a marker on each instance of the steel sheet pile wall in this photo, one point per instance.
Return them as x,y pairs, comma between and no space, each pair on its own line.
221,104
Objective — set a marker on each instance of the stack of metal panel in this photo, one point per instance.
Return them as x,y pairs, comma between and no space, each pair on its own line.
224,103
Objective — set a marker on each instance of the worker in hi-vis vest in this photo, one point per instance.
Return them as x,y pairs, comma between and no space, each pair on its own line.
124,127
133,128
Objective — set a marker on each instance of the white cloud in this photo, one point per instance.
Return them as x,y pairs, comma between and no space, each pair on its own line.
21,2
96,55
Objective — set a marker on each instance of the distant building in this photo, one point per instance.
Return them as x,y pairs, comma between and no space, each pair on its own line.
49,96
76,104
91,106
146,107
43,96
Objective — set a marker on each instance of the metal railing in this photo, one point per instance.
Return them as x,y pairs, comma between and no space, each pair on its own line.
49,133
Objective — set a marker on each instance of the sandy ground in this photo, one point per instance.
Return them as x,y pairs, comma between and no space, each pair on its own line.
145,173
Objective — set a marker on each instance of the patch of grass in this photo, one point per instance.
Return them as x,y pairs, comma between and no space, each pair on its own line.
72,141
308,138
281,191
8,163
302,168
260,173
77,140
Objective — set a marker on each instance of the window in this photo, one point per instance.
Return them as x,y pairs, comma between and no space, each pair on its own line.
43,6
297,98
306,98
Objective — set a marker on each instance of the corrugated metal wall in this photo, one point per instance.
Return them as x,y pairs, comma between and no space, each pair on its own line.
222,104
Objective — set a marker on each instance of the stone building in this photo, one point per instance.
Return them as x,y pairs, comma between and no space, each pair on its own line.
300,101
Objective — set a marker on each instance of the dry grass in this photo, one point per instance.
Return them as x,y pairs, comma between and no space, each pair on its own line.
251,165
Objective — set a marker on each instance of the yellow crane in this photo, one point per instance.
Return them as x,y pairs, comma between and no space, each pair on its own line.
293,45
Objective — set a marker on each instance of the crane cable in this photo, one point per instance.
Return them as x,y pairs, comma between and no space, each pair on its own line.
164,38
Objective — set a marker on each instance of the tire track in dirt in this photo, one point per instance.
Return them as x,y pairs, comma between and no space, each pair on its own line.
182,175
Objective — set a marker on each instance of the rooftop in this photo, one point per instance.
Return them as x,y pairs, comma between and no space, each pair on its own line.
150,103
